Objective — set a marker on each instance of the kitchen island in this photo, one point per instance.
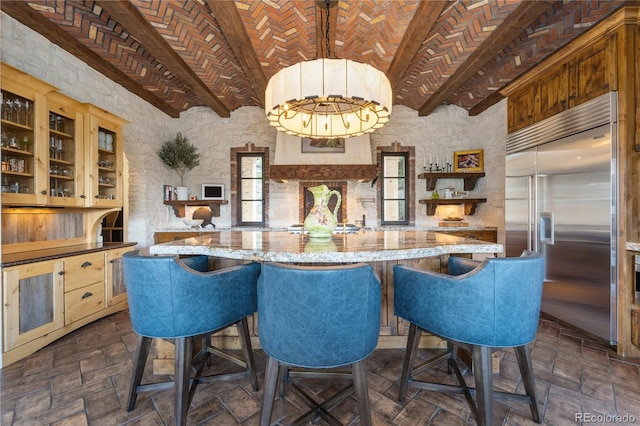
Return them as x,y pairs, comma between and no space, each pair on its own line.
381,248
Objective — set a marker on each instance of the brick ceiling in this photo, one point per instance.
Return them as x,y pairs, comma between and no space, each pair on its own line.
221,53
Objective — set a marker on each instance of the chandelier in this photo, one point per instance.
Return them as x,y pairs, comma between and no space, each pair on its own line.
328,98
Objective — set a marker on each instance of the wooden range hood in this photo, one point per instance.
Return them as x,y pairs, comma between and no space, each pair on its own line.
361,172
291,162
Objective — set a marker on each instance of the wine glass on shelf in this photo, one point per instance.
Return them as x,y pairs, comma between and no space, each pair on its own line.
27,113
9,109
17,105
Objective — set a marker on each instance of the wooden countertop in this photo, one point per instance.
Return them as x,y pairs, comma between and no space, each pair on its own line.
363,246
24,257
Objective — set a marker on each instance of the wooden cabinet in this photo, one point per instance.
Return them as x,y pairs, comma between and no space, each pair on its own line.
591,72
103,140
521,108
57,151
33,303
84,286
116,291
43,301
24,110
65,153
551,93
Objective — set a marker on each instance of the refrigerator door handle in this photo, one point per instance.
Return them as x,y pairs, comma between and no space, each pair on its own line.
547,228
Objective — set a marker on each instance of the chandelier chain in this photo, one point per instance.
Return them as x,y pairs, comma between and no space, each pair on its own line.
327,31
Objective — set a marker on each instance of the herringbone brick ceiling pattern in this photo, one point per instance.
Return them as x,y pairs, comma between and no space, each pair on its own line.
183,53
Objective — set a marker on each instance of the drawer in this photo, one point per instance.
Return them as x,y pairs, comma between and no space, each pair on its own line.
80,271
82,302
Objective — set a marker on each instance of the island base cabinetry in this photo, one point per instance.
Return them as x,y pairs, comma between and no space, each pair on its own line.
43,301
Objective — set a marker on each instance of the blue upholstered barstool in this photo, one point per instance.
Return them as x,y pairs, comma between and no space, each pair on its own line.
480,307
318,317
180,300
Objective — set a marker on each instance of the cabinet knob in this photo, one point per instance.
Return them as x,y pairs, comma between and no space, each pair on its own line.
83,196
61,273
43,192
87,294
571,97
85,264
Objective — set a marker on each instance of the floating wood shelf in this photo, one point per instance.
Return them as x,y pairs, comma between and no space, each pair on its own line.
179,206
470,179
470,204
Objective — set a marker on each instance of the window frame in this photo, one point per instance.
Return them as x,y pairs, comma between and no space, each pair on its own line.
405,156
240,178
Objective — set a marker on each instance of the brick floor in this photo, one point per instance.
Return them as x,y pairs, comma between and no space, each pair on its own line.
83,379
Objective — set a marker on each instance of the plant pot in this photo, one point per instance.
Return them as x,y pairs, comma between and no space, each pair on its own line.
182,192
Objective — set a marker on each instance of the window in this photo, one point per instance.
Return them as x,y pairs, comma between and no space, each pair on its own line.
250,185
395,207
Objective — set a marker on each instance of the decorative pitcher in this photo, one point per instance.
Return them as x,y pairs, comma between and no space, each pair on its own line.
321,221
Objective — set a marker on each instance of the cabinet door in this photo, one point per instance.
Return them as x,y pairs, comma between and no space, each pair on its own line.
103,140
33,302
521,108
116,291
22,134
551,97
65,153
593,71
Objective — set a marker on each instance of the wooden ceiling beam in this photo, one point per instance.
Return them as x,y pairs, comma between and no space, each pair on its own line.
520,19
326,48
26,15
424,19
233,28
486,103
127,15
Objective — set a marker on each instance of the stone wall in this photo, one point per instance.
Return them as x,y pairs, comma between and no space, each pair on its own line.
447,129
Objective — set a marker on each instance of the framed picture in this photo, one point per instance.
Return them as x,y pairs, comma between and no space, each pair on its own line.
322,145
468,161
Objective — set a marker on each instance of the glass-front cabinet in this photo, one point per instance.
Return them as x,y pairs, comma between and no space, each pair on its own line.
56,151
23,108
103,136
65,152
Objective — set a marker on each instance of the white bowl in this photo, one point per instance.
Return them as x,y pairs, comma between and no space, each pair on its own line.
193,222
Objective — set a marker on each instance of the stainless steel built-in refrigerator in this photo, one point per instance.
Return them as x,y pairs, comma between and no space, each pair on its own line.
561,200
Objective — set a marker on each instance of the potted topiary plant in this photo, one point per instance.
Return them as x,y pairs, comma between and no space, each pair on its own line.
180,155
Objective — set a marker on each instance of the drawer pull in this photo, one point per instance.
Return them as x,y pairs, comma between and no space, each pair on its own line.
61,273
85,264
87,294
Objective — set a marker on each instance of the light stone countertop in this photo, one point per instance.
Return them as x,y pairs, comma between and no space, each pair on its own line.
633,246
363,246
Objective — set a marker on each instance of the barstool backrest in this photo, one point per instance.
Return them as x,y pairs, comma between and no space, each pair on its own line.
318,316
496,304
168,299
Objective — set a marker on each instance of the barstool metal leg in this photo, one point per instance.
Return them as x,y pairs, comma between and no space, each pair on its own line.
483,374
413,341
142,351
247,352
182,374
269,391
359,373
523,354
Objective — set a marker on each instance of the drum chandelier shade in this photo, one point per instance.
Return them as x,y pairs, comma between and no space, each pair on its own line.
328,98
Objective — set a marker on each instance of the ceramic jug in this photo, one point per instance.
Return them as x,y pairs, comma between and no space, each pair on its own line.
321,222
